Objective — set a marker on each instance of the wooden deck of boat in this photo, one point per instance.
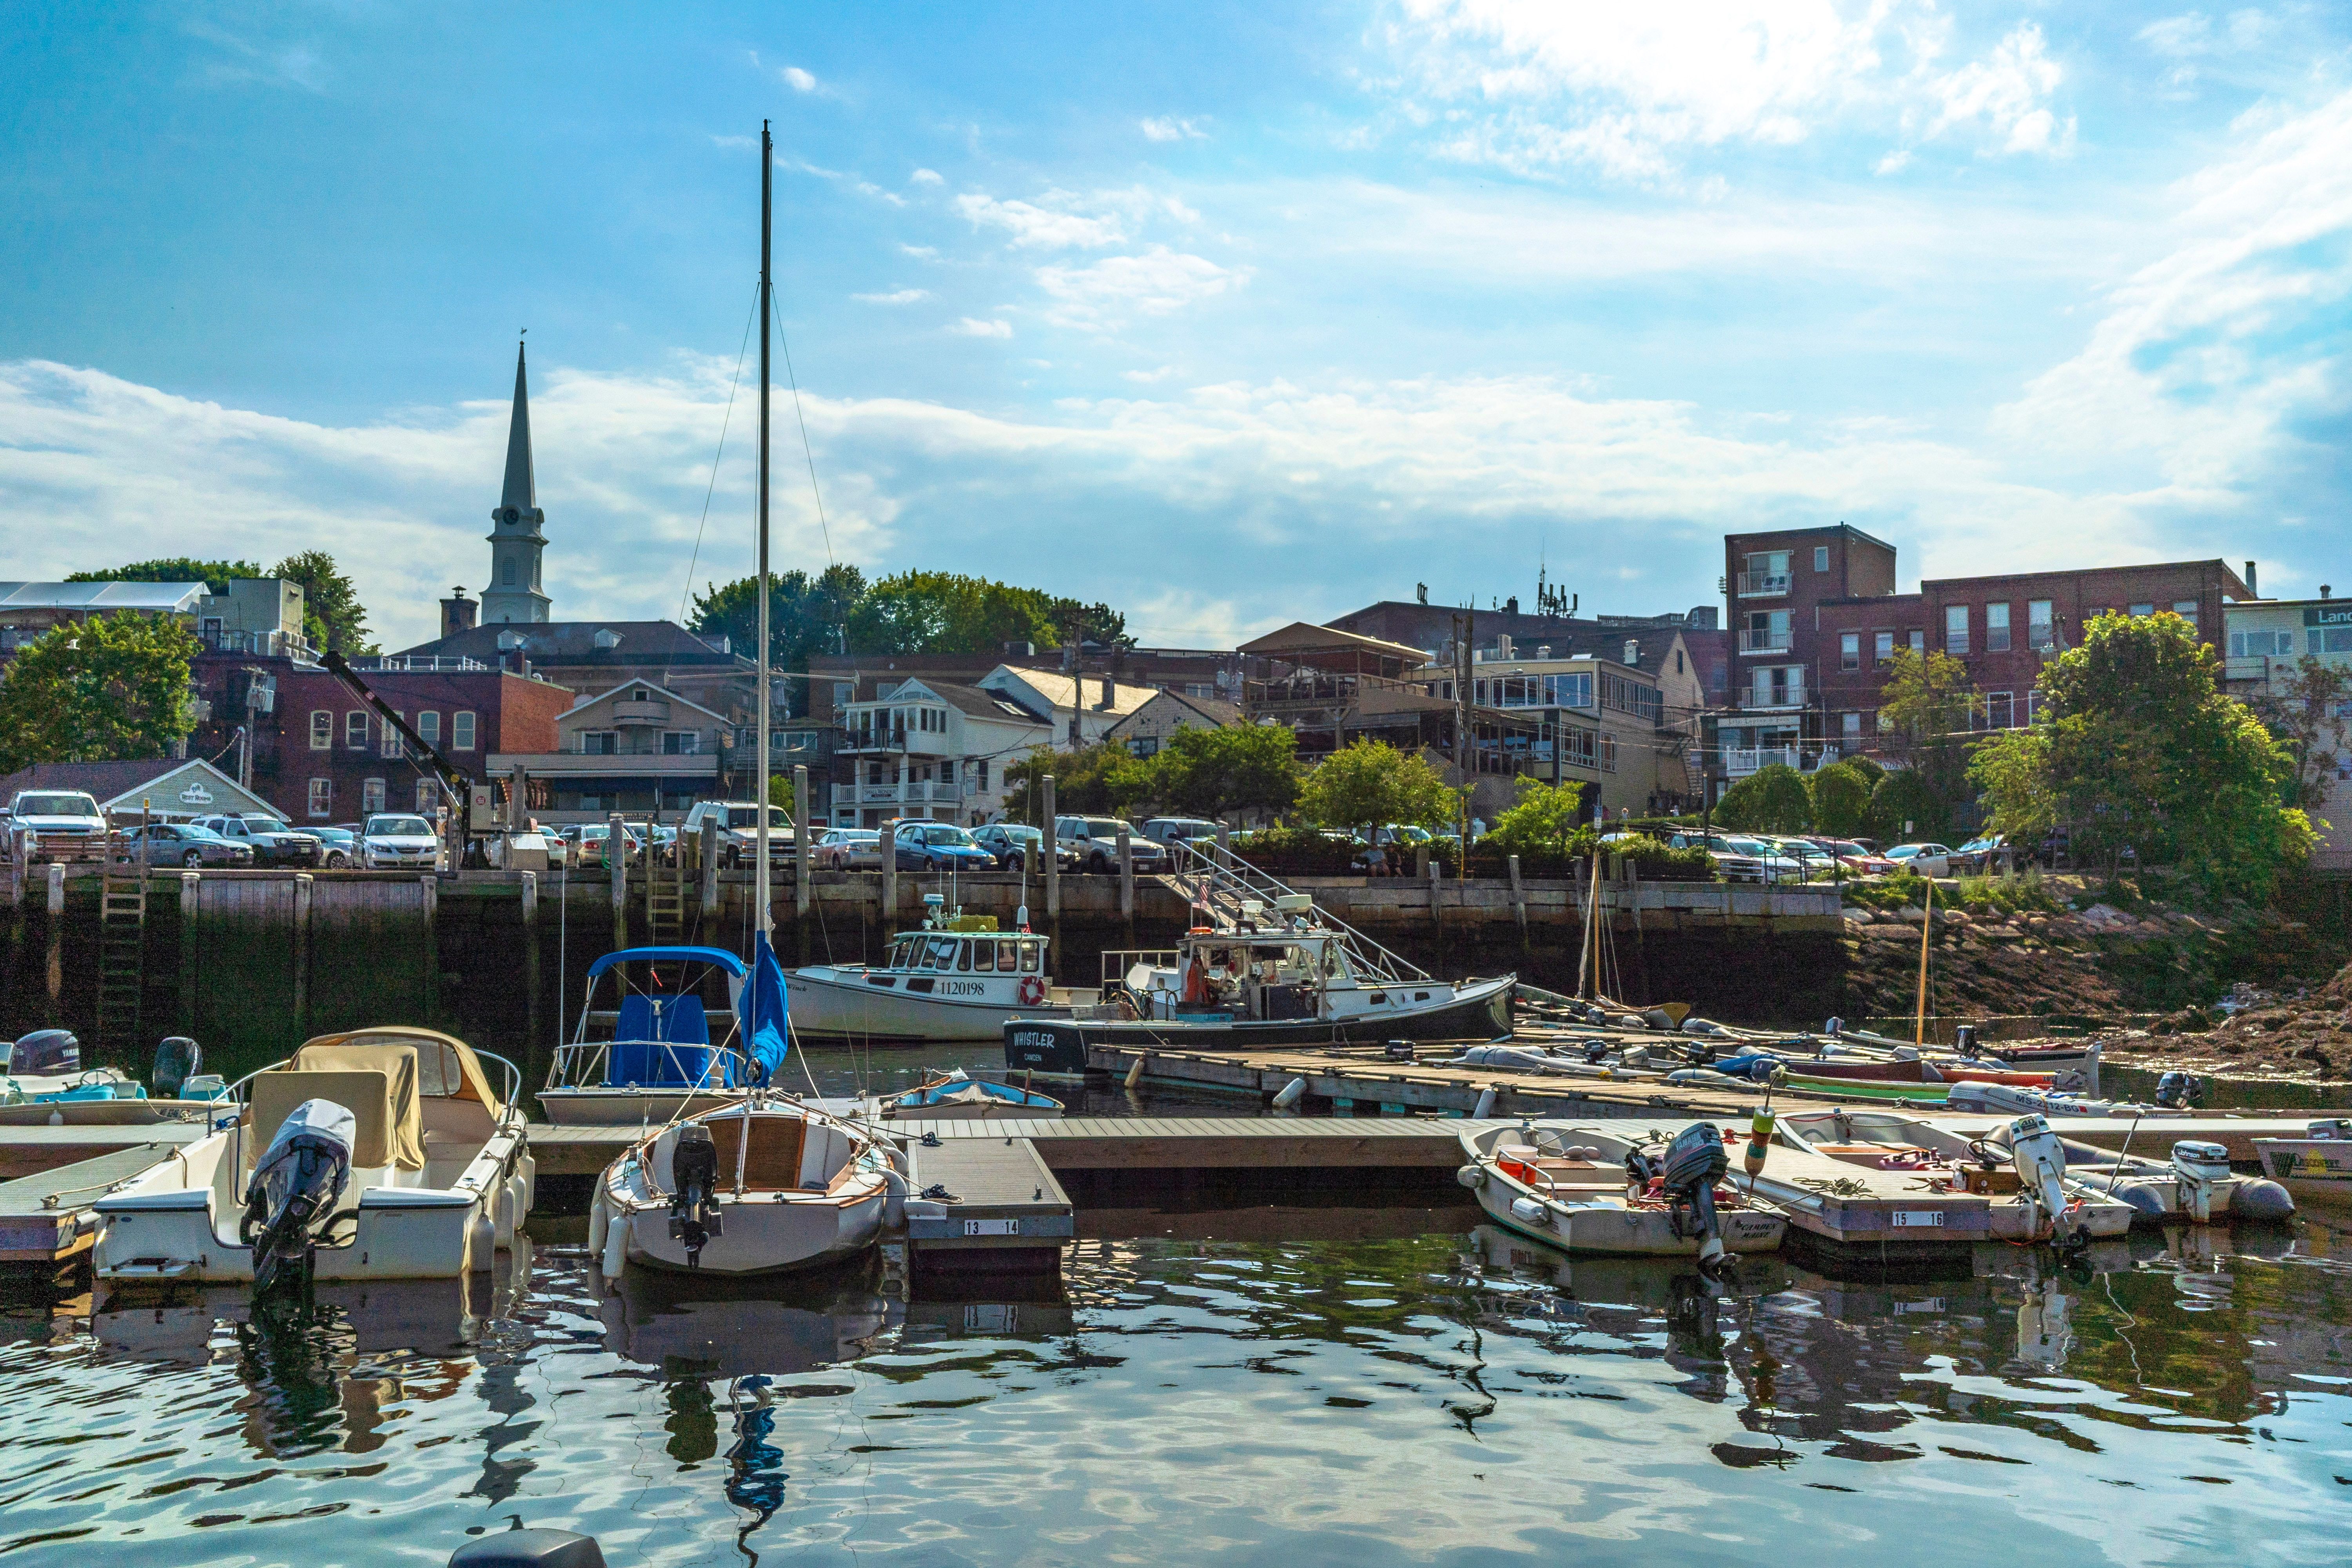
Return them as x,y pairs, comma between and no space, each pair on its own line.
46,1219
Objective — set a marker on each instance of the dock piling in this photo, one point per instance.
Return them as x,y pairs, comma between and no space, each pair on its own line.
616,860
304,892
890,876
1053,859
802,891
1126,875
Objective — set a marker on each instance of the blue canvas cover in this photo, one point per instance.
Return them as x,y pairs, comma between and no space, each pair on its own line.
663,1042
769,1031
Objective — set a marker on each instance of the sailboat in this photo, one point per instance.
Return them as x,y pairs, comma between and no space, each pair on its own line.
768,1182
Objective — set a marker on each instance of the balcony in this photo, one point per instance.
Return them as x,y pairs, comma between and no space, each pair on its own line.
1773,699
649,712
1739,762
846,796
1752,641
1762,585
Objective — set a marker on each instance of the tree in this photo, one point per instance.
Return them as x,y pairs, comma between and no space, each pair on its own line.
1542,821
1371,783
1906,808
1078,625
110,689
779,793
1086,783
1235,767
1926,709
2310,708
1840,799
331,614
946,611
213,574
1770,800
2011,772
806,616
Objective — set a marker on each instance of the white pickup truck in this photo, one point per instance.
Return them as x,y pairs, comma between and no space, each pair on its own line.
54,825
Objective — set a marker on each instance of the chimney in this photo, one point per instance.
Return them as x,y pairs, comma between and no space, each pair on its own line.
2252,591
457,613
2327,590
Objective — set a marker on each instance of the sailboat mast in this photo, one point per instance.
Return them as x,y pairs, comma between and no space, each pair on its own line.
766,196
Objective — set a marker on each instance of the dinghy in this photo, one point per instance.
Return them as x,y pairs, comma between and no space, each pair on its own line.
1581,1189
434,1176
951,1096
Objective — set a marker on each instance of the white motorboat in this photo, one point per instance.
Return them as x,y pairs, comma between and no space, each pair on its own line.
956,978
432,1176
1569,1185
763,1187
2316,1168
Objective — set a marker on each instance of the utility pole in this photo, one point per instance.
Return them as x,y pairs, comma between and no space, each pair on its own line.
1465,629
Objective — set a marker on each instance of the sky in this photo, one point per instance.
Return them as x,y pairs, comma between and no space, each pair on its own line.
1226,314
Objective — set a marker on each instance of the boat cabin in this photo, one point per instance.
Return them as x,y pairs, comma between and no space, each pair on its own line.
966,953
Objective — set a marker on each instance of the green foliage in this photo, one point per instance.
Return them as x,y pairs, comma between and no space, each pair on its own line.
1541,823
1298,852
1770,800
1926,709
806,616
945,612
2146,754
2025,894
780,791
2309,708
1371,783
1903,796
1236,767
110,689
1840,799
1088,783
331,614
213,574
2011,772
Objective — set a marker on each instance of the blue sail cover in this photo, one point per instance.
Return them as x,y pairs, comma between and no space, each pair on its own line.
768,1034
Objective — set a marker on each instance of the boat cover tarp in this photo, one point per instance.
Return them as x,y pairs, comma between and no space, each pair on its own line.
718,956
377,1084
769,1035
664,1042
445,1064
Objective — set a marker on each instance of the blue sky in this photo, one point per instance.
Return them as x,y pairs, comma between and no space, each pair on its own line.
1226,314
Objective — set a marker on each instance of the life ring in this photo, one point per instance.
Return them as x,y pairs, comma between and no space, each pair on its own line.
1032,990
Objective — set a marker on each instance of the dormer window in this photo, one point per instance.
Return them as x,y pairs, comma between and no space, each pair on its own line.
608,640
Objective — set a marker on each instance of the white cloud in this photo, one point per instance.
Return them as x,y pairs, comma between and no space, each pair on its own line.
1169,128
897,297
798,79
2009,91
1895,163
920,252
1147,378
926,177
974,327
1155,283
858,183
1051,223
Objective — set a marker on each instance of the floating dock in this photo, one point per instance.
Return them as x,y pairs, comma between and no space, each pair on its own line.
46,1220
1001,1209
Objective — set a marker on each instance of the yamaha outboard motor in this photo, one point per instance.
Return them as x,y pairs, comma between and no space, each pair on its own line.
177,1059
291,1200
47,1052
694,1217
1694,1162
2040,1157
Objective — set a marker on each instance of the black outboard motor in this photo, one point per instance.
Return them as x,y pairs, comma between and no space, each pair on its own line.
177,1059
694,1217
2174,1090
47,1052
291,1199
1694,1162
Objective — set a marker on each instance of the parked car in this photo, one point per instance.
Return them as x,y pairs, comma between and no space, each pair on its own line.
737,828
938,847
1732,865
1928,860
49,824
1814,863
1093,843
391,840
1008,841
1980,854
1857,859
273,841
1779,865
184,844
848,850
339,848
1166,830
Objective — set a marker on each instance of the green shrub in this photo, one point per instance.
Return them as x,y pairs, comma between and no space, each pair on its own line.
1297,852
1904,796
1770,800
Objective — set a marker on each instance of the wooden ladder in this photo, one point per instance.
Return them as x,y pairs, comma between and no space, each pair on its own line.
666,889
122,956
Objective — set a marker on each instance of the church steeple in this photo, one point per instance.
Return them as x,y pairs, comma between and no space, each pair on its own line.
516,542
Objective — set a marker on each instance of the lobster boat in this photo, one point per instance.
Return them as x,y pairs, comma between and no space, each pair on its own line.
956,978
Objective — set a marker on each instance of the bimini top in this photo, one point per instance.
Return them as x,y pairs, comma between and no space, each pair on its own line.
445,1066
718,956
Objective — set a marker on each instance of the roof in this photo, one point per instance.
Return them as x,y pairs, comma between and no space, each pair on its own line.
627,688
1215,710
979,702
1305,637
168,598
520,489
1062,691
119,786
574,643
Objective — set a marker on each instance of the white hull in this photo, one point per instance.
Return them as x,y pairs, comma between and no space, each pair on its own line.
843,1004
762,1237
2312,1170
1599,1221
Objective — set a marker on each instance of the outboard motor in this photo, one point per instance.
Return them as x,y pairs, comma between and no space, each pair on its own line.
1595,1051
291,1200
47,1052
1964,1040
177,1059
2179,1090
694,1217
2040,1160
2197,1166
1694,1162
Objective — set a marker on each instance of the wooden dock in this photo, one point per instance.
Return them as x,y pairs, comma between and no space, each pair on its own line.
46,1219
31,1150
1004,1211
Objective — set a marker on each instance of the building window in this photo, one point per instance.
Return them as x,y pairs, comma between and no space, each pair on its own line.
842,693
461,732
2041,627
600,742
392,742
2143,610
356,726
1996,629
506,573
1569,690
1850,726
1608,754
322,797
1955,628
947,771
1885,651
2329,639
370,796
1850,650
2262,645
428,728
681,743
1766,631
2187,610
1767,572
1821,557
1918,640
322,729
1678,661
428,795
2000,711
980,775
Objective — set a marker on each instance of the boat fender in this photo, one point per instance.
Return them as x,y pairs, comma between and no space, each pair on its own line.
1485,1103
1473,1176
1529,1212
1288,1095
617,1249
520,1548
895,1190
599,1222
482,1235
1701,1026
1135,1073
2258,1199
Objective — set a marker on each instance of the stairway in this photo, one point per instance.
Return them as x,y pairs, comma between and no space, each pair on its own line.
122,955
1216,878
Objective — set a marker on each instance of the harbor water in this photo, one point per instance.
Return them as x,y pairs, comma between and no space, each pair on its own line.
1294,1385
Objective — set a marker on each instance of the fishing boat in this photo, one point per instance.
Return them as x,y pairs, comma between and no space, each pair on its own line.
951,1096
379,1153
1572,1187
955,978
1260,966
2315,1168
666,1044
